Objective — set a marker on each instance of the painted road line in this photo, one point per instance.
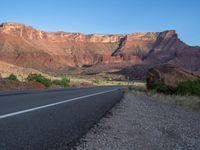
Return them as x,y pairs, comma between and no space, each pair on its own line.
52,104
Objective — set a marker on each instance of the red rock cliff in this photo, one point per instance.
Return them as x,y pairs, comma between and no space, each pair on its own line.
53,51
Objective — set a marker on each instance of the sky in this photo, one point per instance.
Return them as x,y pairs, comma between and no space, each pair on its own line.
107,16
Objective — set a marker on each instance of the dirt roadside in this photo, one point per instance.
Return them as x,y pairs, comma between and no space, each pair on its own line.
138,122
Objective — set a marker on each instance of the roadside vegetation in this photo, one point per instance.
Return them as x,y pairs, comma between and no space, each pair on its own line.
39,78
187,94
189,87
12,77
63,82
161,88
56,81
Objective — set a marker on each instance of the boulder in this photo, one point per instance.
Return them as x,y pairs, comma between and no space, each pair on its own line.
170,75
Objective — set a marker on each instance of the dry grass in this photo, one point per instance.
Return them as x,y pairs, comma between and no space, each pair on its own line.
6,69
191,102
177,100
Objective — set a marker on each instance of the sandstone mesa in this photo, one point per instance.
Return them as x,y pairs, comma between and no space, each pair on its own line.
27,47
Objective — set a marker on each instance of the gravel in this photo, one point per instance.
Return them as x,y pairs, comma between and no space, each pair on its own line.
138,122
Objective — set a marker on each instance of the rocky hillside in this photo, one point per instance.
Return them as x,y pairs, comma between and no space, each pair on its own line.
6,69
27,47
168,75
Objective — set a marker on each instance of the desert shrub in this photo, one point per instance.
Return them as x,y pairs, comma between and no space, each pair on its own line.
190,87
109,79
160,87
130,87
119,83
39,78
12,77
97,81
57,82
63,82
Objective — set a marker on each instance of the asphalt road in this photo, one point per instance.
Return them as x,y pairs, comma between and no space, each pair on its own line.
51,119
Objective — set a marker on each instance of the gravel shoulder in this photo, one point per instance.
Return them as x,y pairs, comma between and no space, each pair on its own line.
138,122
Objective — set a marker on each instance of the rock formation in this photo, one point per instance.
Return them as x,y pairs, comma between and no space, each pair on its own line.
27,47
170,75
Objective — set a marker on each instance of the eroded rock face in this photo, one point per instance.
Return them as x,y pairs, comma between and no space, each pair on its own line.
170,75
30,33
56,51
167,48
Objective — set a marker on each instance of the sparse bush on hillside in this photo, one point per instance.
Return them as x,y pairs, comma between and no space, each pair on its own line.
56,82
63,82
190,87
39,78
97,81
12,77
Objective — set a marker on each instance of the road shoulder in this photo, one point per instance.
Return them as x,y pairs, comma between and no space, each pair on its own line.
138,122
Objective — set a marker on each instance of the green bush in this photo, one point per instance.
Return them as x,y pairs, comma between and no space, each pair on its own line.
63,82
109,79
12,77
160,87
190,87
96,81
39,78
56,82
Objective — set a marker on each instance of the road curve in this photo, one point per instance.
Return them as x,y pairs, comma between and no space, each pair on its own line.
51,119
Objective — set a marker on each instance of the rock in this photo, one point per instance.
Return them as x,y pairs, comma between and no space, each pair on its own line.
27,47
170,75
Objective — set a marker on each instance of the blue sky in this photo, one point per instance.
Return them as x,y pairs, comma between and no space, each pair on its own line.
107,16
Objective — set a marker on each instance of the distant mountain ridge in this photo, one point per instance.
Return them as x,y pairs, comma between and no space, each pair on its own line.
27,47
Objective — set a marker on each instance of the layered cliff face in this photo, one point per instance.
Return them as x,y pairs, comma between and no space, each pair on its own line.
57,51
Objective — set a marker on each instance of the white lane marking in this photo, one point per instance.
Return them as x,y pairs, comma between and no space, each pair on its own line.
52,104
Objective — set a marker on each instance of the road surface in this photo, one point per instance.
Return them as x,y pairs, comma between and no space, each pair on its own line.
51,119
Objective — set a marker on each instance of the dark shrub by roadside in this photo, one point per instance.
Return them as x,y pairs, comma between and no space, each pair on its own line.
39,78
97,81
160,87
12,77
63,82
190,87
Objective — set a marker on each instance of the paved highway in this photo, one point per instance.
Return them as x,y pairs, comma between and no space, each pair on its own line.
51,119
